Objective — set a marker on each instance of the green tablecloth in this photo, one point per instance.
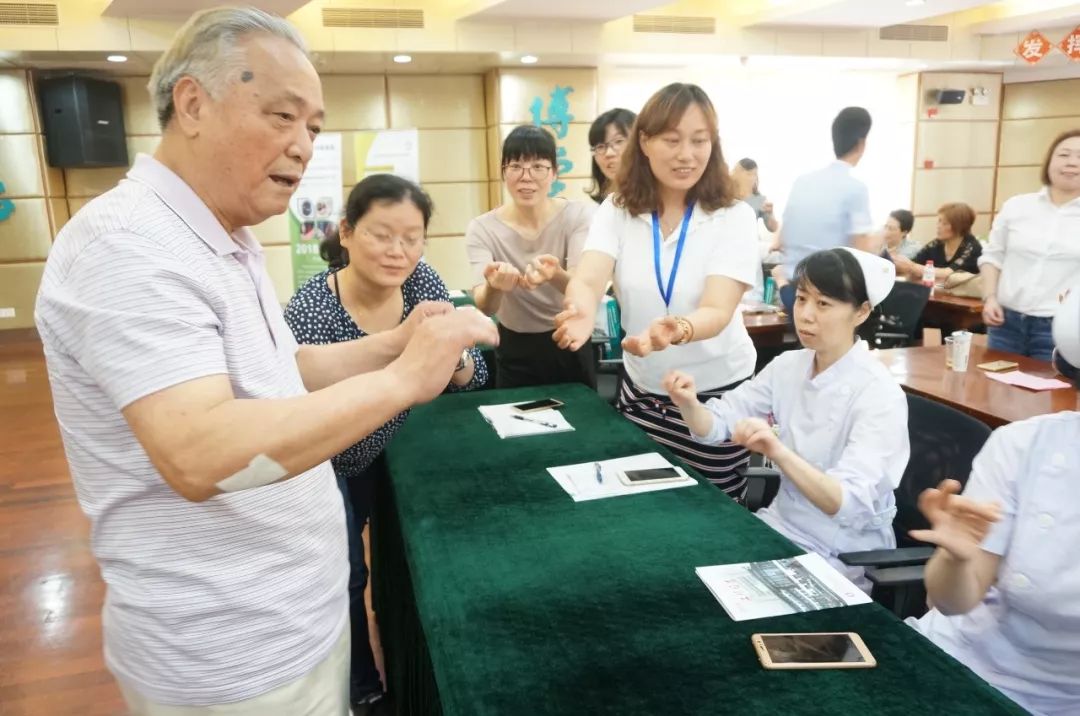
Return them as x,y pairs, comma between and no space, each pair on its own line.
496,593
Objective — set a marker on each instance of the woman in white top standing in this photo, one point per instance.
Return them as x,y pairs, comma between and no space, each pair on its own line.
682,251
830,416
1004,581
1034,255
522,254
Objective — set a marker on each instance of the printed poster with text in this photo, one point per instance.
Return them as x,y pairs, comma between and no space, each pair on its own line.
387,151
315,207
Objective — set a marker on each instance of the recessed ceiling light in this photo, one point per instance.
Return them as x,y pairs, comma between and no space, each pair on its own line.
117,58
529,59
403,59
915,3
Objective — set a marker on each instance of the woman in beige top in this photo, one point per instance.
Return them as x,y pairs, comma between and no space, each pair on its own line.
521,255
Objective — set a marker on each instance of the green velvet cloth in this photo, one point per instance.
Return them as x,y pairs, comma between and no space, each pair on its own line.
498,594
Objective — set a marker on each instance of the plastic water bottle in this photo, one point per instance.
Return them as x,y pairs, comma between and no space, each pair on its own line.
928,276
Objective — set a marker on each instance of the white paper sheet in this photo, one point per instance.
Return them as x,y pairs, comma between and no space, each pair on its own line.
580,481
540,422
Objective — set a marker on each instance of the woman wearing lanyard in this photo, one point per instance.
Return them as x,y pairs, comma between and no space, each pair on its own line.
1034,255
1004,581
831,417
682,251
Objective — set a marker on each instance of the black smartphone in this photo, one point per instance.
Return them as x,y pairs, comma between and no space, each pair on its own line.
542,404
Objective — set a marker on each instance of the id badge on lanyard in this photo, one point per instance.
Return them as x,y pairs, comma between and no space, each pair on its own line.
666,292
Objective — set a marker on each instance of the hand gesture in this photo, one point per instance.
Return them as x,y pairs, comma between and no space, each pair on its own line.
680,386
957,524
661,333
993,313
767,208
420,313
540,270
502,276
757,436
426,365
573,327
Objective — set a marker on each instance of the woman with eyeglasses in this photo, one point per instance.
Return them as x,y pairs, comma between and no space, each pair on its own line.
377,285
682,250
522,254
607,140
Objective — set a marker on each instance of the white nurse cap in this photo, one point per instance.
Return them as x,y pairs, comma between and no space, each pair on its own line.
1067,328
879,274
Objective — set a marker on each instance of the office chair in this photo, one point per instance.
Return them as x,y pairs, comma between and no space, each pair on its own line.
895,321
944,442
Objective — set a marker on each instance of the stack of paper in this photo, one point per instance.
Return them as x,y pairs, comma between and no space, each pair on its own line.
754,590
512,423
581,482
1025,380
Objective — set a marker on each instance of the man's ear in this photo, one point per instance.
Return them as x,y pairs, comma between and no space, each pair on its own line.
190,102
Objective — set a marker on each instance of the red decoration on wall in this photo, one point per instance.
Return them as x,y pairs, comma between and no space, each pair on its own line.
1071,45
1033,47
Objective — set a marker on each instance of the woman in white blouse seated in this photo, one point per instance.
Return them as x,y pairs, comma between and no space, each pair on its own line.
1034,255
1005,579
839,420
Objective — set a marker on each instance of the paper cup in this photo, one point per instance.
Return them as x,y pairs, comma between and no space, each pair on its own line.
961,350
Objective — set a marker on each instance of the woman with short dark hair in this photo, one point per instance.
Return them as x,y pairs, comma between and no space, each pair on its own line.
608,136
897,228
521,255
954,249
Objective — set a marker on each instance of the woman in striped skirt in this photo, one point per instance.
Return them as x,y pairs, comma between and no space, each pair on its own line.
682,250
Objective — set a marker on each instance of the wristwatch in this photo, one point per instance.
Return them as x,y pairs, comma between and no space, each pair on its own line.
463,361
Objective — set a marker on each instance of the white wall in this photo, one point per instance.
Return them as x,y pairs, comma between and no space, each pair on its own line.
781,116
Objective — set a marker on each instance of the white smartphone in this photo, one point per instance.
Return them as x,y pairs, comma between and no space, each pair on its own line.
650,476
833,650
542,404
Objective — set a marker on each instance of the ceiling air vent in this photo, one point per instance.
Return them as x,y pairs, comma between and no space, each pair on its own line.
675,24
373,18
28,13
915,33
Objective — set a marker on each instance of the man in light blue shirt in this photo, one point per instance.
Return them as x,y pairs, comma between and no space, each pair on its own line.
829,207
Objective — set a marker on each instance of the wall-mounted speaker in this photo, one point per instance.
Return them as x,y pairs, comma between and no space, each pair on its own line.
84,122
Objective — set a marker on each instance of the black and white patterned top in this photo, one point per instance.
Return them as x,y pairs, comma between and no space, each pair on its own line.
317,317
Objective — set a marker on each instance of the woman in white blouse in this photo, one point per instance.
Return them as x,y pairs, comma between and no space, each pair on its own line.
1034,255
830,416
1005,581
682,251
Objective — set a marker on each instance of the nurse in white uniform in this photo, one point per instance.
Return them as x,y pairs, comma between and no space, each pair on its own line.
1005,579
830,417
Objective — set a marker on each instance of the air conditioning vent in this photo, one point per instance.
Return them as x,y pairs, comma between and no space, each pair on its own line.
675,24
28,13
915,33
373,18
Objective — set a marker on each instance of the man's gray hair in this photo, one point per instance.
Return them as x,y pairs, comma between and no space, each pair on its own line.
207,49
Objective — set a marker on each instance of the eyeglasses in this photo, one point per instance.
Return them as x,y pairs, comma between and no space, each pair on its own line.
387,241
616,145
515,171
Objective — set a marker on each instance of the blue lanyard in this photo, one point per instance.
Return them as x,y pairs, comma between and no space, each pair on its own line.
666,293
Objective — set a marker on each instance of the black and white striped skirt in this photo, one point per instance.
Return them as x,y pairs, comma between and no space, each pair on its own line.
661,419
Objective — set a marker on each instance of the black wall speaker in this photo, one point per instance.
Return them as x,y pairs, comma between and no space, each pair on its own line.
84,122
951,96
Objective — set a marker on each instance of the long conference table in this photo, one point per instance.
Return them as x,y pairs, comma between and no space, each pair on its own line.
496,593
922,371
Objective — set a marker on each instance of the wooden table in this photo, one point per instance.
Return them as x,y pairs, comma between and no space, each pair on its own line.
952,312
766,329
921,371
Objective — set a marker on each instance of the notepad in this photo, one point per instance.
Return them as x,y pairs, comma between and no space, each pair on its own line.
1025,380
540,422
580,481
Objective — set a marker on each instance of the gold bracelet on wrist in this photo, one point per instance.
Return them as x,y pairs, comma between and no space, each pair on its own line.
687,331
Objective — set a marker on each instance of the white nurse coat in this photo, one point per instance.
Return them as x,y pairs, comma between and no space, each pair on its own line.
1025,636
851,423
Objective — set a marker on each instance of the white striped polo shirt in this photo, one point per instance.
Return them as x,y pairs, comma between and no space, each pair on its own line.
210,602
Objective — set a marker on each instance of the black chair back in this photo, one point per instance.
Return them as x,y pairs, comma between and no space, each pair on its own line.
895,320
944,442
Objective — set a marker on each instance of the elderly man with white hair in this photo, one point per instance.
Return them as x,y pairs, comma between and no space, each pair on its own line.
197,431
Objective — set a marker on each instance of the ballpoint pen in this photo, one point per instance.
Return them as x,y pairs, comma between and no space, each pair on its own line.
599,473
534,420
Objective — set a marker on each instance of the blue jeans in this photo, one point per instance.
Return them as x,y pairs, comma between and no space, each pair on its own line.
356,493
1023,335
